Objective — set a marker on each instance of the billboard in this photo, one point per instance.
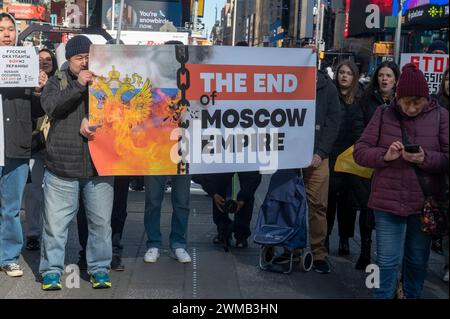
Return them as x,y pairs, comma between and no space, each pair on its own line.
426,14
25,11
367,16
141,15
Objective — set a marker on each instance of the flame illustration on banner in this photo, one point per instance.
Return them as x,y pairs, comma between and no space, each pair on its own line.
134,121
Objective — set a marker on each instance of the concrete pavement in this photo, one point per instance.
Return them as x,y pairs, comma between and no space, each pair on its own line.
213,272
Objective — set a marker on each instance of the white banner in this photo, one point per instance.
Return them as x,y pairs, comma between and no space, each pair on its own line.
433,67
162,110
19,66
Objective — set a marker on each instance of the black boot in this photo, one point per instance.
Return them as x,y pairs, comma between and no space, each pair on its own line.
344,247
364,258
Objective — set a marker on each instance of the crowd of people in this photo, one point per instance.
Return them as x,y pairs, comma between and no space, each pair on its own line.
46,141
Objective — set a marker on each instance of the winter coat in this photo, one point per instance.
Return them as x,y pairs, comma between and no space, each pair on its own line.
328,115
369,104
395,187
66,103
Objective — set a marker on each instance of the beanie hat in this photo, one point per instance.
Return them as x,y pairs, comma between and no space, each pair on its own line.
77,45
412,82
438,45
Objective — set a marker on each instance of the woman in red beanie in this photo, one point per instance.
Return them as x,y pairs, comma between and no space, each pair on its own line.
396,196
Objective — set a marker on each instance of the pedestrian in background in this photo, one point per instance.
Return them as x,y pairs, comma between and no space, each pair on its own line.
396,196
351,127
379,93
33,196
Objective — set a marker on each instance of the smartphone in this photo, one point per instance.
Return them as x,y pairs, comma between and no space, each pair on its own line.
412,148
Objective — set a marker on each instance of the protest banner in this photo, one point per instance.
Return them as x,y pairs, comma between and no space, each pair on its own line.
163,110
19,66
433,67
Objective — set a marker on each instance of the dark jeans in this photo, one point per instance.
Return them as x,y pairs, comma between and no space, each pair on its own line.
118,217
240,224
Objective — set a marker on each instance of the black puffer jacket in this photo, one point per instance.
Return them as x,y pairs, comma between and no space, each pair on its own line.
67,150
369,104
19,106
328,115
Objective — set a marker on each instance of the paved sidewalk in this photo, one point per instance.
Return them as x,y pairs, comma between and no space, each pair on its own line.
213,272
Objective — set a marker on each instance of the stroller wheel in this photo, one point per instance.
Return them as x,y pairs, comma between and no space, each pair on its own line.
306,261
267,255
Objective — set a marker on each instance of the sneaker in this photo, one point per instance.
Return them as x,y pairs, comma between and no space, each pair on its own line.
51,281
181,255
33,243
321,266
152,255
116,263
241,243
100,280
12,270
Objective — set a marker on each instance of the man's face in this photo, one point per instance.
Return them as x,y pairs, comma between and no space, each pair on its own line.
78,63
7,32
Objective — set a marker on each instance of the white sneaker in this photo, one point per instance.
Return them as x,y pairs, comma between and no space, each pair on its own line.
13,270
181,255
152,255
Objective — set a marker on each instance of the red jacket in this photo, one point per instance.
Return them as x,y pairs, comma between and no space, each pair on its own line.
395,187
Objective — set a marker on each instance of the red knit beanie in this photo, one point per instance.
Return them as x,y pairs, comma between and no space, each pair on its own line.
412,82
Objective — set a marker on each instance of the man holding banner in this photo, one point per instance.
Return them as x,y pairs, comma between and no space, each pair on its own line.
16,105
70,172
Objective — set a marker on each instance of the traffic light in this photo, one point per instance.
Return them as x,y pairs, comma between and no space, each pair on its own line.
322,55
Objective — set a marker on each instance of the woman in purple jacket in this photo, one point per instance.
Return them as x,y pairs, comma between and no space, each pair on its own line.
396,196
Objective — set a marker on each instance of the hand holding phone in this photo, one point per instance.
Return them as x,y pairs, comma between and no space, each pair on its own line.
412,148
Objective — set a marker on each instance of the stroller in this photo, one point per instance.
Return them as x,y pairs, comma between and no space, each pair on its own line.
281,227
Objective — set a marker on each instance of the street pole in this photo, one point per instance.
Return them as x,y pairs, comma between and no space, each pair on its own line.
119,27
233,39
194,22
398,35
87,13
113,14
321,46
294,34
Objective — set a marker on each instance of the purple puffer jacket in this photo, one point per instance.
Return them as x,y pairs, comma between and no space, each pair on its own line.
395,187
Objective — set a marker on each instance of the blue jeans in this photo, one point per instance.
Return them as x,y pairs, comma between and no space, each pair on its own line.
13,177
154,195
400,242
61,205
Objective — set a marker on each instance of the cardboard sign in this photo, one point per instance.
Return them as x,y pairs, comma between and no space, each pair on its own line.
164,110
19,66
433,67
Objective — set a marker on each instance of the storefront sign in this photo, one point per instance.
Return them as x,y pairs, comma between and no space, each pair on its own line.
25,11
427,13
